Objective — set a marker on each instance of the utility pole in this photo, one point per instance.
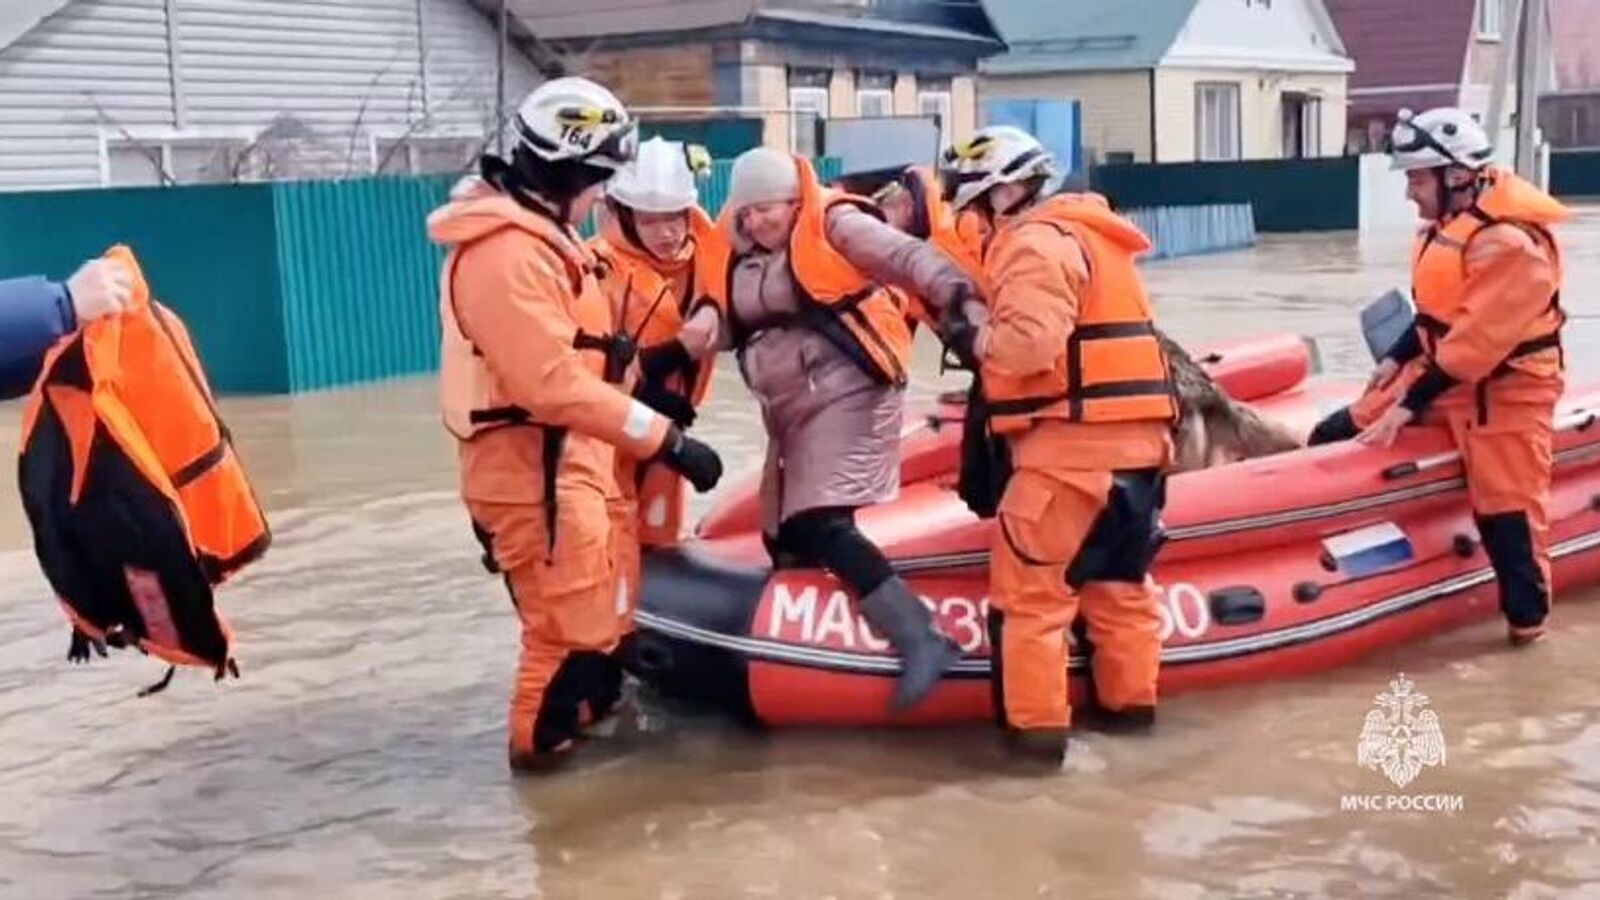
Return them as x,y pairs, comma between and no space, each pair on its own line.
504,37
1533,55
1510,30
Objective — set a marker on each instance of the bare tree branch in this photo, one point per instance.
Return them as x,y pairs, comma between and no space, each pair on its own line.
421,122
361,110
150,152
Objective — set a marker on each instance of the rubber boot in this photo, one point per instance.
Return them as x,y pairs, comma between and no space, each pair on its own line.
895,611
1131,720
1037,746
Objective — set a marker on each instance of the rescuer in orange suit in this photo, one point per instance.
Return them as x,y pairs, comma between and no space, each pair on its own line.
528,341
1077,384
1484,358
650,237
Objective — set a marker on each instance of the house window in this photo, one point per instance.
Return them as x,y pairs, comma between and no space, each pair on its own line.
1490,12
874,94
936,104
134,162
1216,121
808,106
1302,126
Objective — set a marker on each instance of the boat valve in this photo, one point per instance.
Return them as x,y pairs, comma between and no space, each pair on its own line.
1464,545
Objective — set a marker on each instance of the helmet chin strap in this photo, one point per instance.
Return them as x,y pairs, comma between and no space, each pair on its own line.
1027,198
1447,194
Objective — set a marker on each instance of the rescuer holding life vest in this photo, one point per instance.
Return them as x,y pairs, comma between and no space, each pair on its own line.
1484,357
527,342
1078,388
820,329
649,237
35,313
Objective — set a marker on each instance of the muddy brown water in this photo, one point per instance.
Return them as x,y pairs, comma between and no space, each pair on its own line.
362,755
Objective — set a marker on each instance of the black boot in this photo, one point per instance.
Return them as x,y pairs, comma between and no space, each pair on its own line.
1132,720
895,611
1042,746
1524,597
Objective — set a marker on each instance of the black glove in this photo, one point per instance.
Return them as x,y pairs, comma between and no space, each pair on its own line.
666,401
691,459
957,331
962,340
78,650
663,359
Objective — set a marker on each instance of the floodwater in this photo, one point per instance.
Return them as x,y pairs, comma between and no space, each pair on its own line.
362,755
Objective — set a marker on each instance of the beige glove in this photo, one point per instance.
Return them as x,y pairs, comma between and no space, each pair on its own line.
100,287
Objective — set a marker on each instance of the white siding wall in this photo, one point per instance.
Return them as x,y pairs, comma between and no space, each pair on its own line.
1260,110
334,73
461,55
94,60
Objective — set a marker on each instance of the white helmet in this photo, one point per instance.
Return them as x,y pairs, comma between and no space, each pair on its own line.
661,179
576,119
999,154
1438,137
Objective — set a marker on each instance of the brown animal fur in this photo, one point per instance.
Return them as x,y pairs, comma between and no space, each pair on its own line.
1213,428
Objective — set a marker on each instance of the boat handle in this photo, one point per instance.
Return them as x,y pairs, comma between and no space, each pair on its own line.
1577,420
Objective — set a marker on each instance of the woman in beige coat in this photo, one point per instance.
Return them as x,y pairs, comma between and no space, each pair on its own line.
828,368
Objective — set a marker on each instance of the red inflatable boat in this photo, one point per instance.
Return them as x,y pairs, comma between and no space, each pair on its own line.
1273,567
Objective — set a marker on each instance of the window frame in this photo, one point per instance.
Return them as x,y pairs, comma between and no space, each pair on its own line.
1235,127
820,96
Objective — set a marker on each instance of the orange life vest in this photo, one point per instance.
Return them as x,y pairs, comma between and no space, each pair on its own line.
139,505
1112,368
645,302
940,226
1439,271
959,236
866,321
473,400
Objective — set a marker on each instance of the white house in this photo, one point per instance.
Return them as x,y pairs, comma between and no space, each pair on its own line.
139,92
1180,80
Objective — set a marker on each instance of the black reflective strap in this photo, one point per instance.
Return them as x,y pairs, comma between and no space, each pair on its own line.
500,415
192,472
217,568
1022,405
1112,390
586,341
555,440
1111,331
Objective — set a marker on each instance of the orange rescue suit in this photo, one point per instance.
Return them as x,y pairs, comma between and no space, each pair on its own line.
651,300
1071,365
525,327
865,320
139,505
1486,359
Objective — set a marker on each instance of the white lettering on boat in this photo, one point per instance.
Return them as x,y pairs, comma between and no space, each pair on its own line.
808,615
793,616
1185,612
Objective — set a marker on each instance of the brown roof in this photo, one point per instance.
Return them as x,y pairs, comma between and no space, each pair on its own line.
1416,44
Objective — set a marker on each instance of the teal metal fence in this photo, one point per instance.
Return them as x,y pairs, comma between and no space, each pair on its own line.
1286,194
299,286
359,288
